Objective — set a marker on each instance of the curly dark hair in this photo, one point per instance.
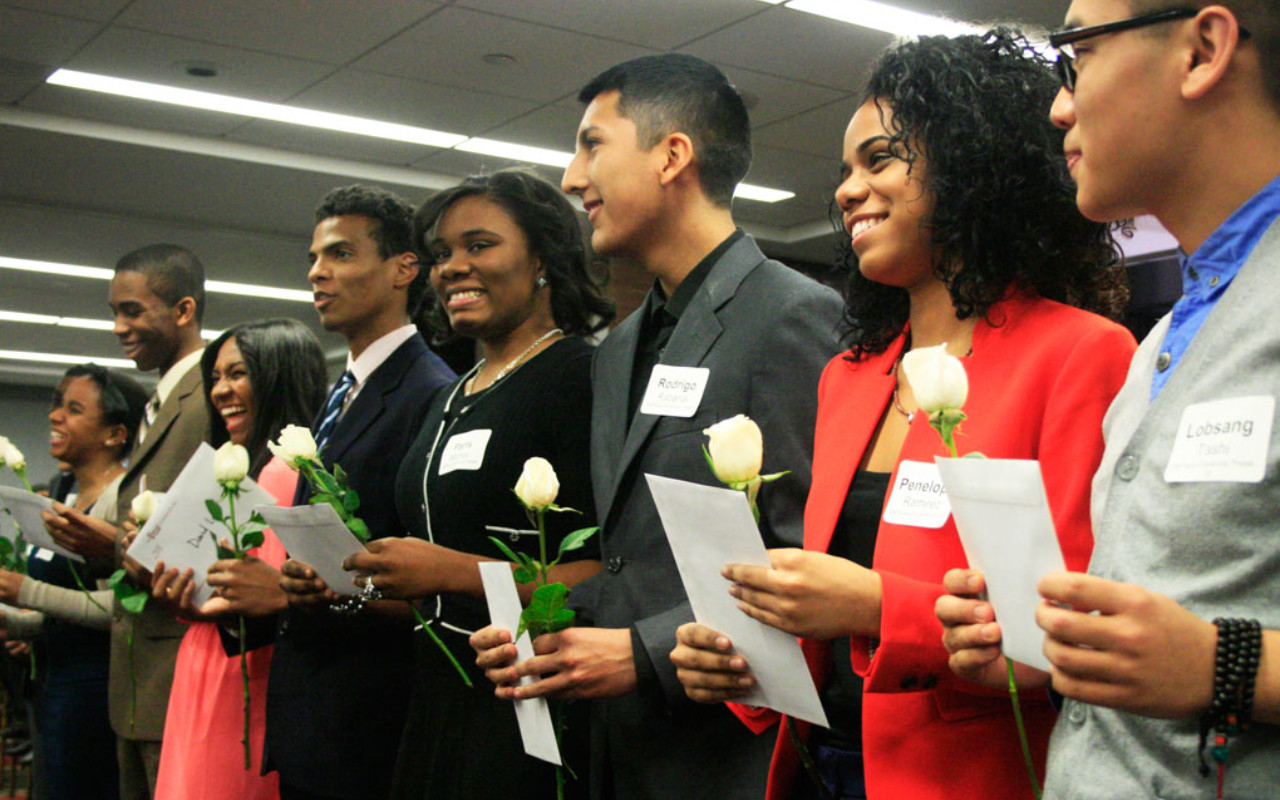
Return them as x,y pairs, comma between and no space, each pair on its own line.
579,304
976,110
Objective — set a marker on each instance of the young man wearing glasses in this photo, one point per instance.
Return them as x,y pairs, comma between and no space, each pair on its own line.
1168,652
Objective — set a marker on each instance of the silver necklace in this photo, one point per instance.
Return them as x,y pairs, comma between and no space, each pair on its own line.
515,362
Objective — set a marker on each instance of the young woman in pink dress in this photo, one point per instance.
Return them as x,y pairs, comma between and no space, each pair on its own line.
261,376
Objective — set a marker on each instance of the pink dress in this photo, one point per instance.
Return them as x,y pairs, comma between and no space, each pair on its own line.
201,757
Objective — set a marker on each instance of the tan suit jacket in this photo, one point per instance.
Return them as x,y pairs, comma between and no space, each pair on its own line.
181,425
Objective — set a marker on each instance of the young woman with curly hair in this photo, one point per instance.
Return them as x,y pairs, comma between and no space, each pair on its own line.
959,217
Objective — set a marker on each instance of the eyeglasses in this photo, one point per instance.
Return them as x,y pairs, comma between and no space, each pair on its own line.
1063,39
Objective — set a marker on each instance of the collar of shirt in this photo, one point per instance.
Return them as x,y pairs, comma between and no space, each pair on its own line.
684,293
373,356
170,379
1208,272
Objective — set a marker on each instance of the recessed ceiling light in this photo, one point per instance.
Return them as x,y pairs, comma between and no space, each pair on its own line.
218,287
337,122
498,59
199,69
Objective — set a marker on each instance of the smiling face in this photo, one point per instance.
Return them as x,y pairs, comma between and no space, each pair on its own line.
885,205
483,271
1117,120
76,428
232,392
617,180
146,326
358,293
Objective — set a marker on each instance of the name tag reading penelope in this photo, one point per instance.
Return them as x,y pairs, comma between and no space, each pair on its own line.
674,391
917,497
465,451
1222,441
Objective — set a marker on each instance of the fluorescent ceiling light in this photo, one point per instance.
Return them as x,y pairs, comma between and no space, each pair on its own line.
59,358
761,194
884,17
341,123
208,101
218,287
19,316
89,324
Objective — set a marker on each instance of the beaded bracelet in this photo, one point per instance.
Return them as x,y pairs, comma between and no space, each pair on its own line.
1235,670
352,605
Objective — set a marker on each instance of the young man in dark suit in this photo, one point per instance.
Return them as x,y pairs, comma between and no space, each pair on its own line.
339,685
157,296
662,144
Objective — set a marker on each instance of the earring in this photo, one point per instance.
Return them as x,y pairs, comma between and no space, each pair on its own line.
541,282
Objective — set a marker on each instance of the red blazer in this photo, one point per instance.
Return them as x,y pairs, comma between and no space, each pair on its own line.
1041,377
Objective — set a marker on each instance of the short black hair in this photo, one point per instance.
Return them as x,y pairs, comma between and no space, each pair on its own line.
973,111
287,372
579,304
1260,17
122,400
173,272
674,92
392,218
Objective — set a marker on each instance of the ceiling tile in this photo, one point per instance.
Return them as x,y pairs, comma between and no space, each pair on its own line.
334,144
68,102
554,127
100,10
42,38
819,132
549,62
771,98
456,162
331,31
796,45
659,24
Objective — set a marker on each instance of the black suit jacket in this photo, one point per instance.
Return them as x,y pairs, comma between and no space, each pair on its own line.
764,331
339,687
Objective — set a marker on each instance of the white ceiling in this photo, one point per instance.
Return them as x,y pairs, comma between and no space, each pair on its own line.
85,177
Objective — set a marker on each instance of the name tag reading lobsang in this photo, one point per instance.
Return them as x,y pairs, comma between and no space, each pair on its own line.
1222,441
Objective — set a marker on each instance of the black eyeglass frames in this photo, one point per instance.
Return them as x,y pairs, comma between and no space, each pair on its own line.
1063,39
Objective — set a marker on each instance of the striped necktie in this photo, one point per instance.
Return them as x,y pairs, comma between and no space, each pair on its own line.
333,408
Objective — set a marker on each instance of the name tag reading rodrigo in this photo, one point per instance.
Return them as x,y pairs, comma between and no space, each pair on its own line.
674,391
1222,441
917,497
465,451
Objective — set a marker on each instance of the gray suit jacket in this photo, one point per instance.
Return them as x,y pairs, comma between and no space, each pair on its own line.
765,332
1212,547
181,425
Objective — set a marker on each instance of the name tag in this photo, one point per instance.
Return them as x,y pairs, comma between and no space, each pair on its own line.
465,451
917,497
674,391
1222,441
40,553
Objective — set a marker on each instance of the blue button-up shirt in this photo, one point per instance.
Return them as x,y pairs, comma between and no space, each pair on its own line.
1208,272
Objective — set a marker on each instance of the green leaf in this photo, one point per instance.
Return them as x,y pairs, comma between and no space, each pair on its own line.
215,510
256,519
351,501
321,497
554,507
225,552
560,619
543,612
340,475
774,476
974,454
328,483
506,551
524,575
134,603
576,540
358,528
251,540
116,577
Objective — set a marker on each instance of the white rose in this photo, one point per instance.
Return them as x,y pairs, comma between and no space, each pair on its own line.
143,506
13,458
736,448
538,485
938,380
5,444
230,464
295,445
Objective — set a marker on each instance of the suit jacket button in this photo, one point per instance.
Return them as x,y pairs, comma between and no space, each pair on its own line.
1127,468
909,682
614,564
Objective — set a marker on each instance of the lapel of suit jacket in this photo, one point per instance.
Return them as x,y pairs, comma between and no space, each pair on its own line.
610,386
170,409
695,333
847,422
369,405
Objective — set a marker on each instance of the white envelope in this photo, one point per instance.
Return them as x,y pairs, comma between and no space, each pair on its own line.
181,532
1002,516
26,508
707,528
316,536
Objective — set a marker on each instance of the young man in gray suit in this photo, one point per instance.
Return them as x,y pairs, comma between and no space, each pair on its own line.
157,296
662,144
1173,638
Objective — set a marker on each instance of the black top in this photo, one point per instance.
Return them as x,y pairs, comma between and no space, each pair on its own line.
855,539
541,409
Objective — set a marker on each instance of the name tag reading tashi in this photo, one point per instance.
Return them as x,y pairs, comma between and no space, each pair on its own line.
1222,441
917,497
465,451
674,391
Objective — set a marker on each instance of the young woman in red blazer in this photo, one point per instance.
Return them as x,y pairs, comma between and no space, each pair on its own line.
960,215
